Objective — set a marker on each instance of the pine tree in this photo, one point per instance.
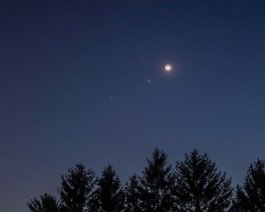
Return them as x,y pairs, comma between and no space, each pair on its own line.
109,195
133,195
199,186
76,188
151,192
251,196
45,203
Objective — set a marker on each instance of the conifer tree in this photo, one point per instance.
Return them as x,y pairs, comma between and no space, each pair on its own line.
251,195
200,187
76,188
109,195
133,195
45,203
152,191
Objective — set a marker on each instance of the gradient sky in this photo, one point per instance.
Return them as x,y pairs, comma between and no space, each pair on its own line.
83,81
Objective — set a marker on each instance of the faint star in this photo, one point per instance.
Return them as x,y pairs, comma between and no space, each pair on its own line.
149,82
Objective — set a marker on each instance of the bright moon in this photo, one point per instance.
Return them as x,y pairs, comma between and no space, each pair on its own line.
168,68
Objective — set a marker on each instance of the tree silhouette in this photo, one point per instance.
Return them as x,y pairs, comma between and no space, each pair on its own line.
45,203
76,188
151,192
109,195
133,195
199,186
251,196
194,186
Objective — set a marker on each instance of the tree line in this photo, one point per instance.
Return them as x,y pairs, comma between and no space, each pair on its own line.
193,185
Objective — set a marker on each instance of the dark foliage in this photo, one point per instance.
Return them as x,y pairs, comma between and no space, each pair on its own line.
133,195
151,192
76,188
109,195
45,203
251,196
199,186
195,185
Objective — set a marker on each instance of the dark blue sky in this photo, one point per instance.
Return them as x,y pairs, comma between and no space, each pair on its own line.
74,87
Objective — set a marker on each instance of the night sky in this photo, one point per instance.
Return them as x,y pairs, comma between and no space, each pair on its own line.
84,81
